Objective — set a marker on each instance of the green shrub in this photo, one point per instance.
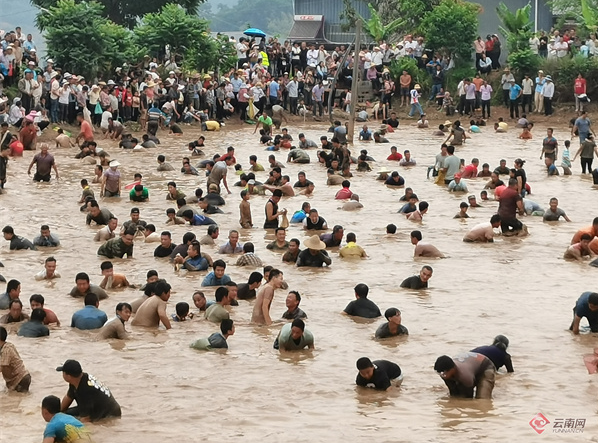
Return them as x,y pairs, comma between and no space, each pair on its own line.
564,71
418,75
524,62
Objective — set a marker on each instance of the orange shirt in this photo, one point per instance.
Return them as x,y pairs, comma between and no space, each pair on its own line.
86,131
478,82
589,230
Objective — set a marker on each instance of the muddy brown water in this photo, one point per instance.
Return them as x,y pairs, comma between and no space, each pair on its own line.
521,288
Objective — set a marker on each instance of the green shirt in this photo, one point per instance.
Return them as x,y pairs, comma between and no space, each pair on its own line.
115,247
139,198
216,313
265,121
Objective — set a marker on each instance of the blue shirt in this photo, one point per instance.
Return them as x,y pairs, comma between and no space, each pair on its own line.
298,216
89,317
540,84
211,280
236,82
457,187
199,220
495,354
33,329
514,91
196,264
582,308
365,135
65,428
274,88
4,300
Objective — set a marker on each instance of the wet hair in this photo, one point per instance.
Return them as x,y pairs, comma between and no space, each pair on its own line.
501,342
273,273
123,305
188,214
151,273
161,287
450,149
464,205
91,299
248,247
15,301
106,265
37,298
182,309
226,325
38,314
423,206
391,312
138,188
294,240
346,183
219,263
364,363
298,323
351,237
189,236
221,292
444,363
170,211
362,290
277,193
593,299
8,230
212,229
587,237
427,268
4,334
416,234
162,159
51,403
79,276
255,277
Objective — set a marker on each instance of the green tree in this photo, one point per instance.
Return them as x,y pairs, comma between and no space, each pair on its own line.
584,12
187,36
451,27
518,29
80,39
127,12
377,29
410,12
517,26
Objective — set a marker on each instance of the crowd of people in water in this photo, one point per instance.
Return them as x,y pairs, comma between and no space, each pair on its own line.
466,375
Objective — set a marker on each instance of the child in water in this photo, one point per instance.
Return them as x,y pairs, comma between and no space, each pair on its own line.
566,159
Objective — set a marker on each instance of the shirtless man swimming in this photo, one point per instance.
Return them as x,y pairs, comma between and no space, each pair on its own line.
423,249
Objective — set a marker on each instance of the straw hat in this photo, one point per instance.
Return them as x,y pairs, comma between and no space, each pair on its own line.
417,87
314,242
207,77
384,171
102,83
447,123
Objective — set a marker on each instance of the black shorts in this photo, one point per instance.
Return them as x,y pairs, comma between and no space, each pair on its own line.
41,178
404,92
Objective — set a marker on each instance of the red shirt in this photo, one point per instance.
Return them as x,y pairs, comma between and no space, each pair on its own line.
489,46
507,208
396,156
469,171
343,194
580,86
86,131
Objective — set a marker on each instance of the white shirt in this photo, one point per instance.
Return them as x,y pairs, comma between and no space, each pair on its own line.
528,86
534,42
105,116
377,58
548,90
312,57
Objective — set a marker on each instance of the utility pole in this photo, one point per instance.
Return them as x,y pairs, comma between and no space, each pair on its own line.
354,82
